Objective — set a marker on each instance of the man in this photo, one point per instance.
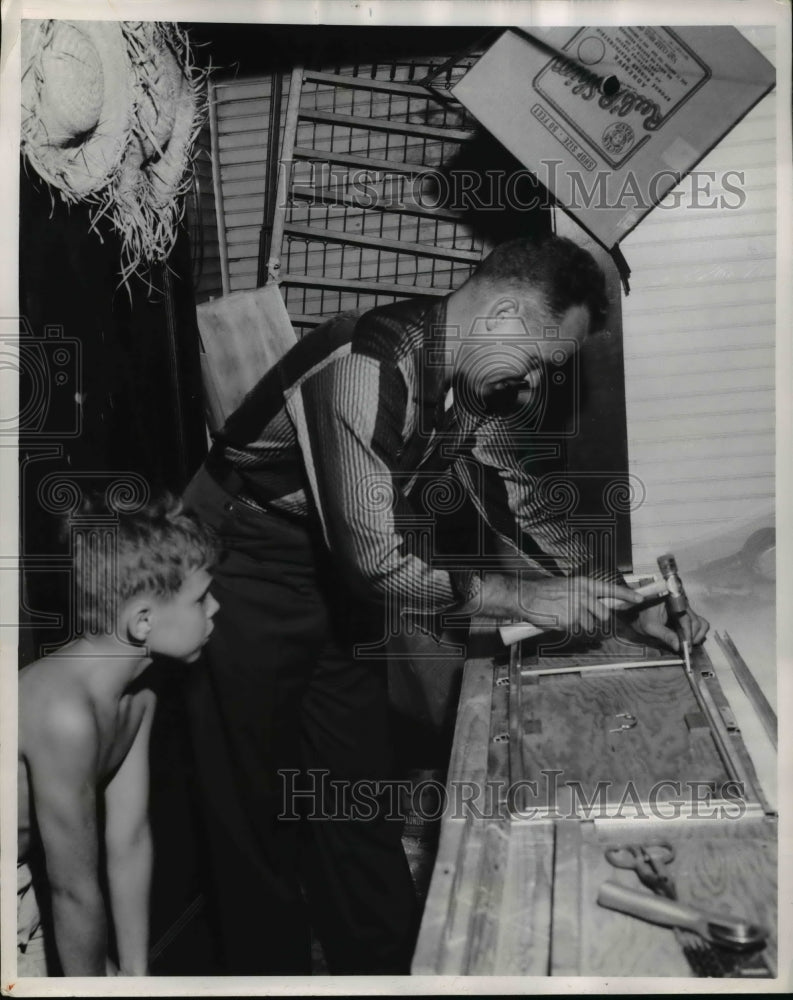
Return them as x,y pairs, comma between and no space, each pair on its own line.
314,486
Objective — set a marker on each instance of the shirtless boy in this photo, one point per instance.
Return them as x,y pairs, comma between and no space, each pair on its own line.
85,715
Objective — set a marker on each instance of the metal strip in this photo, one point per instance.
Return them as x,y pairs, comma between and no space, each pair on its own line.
646,811
385,125
368,83
377,242
271,179
218,190
515,717
365,162
742,774
599,667
750,687
718,730
284,172
351,284
327,196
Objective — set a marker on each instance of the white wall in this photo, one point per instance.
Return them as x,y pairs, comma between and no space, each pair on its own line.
699,350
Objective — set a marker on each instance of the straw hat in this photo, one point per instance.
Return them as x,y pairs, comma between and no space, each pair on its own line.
111,111
76,102
169,112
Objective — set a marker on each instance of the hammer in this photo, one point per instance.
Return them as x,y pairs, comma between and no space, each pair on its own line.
677,604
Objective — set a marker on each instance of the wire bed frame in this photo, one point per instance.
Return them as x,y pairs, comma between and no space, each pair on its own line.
362,214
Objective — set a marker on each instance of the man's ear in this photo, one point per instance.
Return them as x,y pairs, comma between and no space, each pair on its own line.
138,618
505,307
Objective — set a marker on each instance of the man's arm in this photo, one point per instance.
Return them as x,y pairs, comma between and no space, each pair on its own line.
347,440
129,851
62,758
526,506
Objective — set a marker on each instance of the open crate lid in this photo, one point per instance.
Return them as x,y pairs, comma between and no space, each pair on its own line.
611,118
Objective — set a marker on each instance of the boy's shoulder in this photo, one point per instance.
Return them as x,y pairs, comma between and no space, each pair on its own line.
54,702
62,708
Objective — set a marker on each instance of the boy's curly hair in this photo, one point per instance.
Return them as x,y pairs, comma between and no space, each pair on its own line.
118,555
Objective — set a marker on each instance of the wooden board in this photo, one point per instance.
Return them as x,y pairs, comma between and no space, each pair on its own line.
567,710
510,918
571,724
728,866
513,895
440,945
489,908
242,335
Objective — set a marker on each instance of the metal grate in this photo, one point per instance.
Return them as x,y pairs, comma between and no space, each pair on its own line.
365,217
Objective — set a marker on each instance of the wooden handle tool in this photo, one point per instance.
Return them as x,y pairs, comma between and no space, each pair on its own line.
717,928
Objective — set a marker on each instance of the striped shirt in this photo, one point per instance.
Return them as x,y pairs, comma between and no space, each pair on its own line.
351,427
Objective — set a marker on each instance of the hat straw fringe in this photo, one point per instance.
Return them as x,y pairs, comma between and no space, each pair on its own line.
142,191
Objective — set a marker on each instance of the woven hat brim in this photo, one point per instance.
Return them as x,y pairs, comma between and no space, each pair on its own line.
85,168
168,173
156,170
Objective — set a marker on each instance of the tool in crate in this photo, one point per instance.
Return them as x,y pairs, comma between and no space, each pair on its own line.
715,945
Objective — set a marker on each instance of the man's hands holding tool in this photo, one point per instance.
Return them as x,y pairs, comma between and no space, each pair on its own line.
570,603
563,603
652,621
573,602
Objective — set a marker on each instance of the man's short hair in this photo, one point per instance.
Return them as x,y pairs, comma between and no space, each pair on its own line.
119,555
564,273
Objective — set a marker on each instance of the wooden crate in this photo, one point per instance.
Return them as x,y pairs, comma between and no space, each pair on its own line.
540,784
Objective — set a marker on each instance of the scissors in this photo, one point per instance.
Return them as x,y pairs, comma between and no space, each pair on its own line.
650,862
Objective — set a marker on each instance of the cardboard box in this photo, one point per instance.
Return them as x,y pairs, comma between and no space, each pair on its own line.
611,118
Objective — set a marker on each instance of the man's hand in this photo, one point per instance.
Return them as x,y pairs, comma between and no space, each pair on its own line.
564,603
554,603
652,621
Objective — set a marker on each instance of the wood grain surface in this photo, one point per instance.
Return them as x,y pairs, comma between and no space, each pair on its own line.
566,916
443,934
580,717
518,896
243,335
726,866
468,761
511,918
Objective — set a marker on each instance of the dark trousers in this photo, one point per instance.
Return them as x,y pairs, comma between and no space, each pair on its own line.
277,700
